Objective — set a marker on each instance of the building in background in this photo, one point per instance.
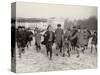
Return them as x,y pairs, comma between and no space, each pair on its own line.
54,21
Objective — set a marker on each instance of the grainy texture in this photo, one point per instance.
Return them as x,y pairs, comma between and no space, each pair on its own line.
32,61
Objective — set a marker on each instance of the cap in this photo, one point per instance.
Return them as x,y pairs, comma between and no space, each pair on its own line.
59,25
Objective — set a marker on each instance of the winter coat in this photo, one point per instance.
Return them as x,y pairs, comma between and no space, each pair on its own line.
47,37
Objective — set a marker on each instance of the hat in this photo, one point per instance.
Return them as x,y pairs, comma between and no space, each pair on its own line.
19,27
48,27
74,26
59,25
23,26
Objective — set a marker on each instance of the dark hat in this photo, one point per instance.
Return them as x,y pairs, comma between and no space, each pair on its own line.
74,26
19,27
23,26
95,32
59,25
48,27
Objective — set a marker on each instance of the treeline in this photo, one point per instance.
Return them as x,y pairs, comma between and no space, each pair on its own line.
13,20
31,20
90,23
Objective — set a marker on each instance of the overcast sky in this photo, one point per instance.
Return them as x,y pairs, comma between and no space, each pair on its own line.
35,10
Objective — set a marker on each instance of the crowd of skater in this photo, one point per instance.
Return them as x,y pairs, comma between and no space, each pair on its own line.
75,38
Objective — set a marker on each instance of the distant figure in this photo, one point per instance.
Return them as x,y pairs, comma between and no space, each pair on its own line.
21,39
74,40
29,35
37,35
59,37
49,40
66,43
86,35
94,41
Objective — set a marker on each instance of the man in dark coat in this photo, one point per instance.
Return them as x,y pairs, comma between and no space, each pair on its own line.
21,39
49,40
59,36
74,41
29,37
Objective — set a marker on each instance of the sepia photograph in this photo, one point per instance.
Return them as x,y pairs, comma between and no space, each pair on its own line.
53,37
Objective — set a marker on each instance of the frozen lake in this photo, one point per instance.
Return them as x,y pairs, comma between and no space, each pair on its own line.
33,61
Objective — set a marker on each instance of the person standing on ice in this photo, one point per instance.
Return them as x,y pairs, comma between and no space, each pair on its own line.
67,43
59,36
49,40
37,35
78,36
94,41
